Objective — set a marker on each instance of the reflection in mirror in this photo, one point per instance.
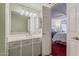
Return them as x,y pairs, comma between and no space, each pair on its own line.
24,21
19,23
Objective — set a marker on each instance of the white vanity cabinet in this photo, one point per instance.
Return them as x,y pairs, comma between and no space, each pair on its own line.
23,31
26,47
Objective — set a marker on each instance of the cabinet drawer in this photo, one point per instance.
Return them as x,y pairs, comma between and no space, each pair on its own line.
28,41
36,40
14,44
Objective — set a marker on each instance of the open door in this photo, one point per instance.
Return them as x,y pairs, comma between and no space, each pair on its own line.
73,30
46,40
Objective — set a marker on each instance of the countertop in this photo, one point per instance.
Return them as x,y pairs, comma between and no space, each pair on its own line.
17,37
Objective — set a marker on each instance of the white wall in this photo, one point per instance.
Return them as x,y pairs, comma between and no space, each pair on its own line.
58,24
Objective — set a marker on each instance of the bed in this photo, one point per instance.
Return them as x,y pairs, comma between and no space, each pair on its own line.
60,37
59,44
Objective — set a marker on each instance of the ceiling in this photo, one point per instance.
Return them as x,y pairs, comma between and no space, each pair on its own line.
37,6
59,10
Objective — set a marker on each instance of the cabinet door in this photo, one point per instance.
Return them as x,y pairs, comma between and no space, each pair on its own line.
27,50
37,49
14,48
14,51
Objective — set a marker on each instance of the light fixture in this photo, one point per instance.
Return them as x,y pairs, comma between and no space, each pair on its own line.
26,13
31,14
34,14
22,12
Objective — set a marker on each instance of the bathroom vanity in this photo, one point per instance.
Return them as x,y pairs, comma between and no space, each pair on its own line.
24,31
29,45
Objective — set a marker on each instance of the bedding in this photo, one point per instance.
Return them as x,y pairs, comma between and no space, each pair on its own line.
60,37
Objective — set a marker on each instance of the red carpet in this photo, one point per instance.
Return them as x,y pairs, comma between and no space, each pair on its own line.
58,49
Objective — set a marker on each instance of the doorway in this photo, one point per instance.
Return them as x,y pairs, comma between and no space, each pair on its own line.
59,29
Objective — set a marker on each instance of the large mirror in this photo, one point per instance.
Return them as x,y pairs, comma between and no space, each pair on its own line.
25,20
19,23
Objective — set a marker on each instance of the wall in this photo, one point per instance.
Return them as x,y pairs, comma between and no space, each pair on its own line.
2,29
59,24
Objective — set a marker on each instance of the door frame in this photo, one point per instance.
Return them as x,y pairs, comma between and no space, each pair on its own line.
67,9
7,26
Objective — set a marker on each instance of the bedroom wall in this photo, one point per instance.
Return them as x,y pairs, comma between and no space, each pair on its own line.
59,24
2,29
59,13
